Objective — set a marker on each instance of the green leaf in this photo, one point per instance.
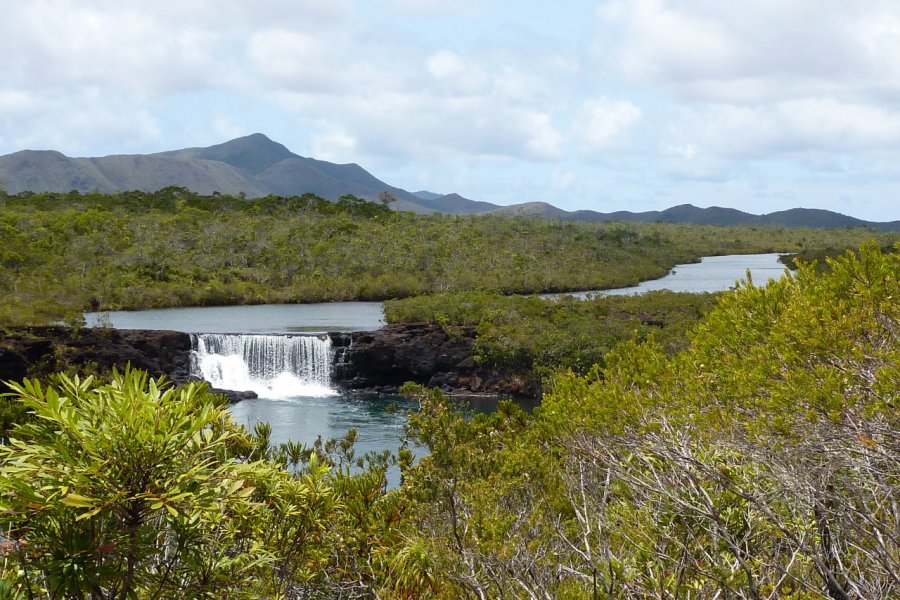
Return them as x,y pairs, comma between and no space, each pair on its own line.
78,501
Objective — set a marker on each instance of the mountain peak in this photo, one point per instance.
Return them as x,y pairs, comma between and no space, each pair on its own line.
254,153
256,137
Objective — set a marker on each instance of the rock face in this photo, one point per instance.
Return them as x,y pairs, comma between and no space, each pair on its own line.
383,360
35,351
366,361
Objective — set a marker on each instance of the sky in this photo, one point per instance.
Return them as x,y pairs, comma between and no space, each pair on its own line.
760,105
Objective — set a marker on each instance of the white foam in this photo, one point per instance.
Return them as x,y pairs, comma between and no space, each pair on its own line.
273,366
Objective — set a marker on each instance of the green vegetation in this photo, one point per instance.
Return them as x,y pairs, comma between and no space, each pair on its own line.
532,337
687,446
760,461
819,255
61,254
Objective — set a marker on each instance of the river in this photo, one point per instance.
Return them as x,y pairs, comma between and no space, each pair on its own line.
711,274
298,403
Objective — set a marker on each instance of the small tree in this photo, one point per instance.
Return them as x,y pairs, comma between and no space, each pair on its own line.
387,197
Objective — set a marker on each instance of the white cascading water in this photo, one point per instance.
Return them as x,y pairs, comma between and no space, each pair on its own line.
273,366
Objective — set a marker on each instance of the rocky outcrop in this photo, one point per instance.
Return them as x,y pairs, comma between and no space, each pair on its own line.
383,360
366,361
37,351
235,396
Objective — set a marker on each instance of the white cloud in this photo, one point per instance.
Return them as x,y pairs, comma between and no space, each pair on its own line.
227,128
802,128
92,118
698,91
544,141
149,48
19,104
603,124
828,124
452,74
563,179
445,64
58,43
434,8
652,40
383,88
426,126
750,51
299,61
335,146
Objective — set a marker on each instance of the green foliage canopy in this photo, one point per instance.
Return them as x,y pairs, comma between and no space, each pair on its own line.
61,254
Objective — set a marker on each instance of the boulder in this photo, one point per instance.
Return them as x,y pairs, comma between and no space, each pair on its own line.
235,396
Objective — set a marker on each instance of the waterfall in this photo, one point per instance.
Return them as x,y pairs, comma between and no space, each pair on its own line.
273,366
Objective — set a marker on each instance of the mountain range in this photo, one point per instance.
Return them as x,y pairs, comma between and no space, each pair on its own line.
257,166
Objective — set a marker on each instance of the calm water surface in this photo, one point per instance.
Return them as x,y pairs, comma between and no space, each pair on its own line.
711,274
263,318
303,417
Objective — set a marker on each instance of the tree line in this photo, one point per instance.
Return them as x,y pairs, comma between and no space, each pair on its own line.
61,254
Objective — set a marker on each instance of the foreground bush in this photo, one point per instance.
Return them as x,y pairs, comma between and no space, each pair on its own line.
131,489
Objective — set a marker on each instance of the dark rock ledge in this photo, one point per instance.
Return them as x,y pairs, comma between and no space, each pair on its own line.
364,362
38,351
383,360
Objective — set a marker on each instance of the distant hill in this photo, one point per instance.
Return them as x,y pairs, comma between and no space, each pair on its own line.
256,166
716,215
426,195
253,165
457,205
538,209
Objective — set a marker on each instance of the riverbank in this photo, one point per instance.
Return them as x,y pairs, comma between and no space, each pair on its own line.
363,362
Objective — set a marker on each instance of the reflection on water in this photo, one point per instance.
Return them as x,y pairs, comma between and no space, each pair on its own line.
303,418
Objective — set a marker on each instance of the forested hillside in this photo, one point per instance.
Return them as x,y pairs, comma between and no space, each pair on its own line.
761,461
61,254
